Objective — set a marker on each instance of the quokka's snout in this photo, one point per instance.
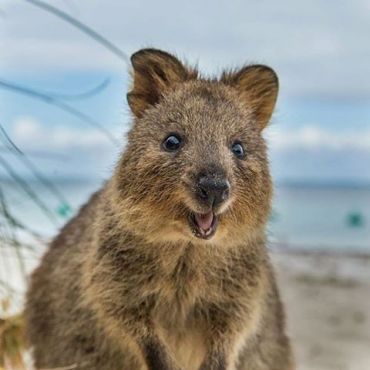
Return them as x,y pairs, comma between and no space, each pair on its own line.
212,188
210,191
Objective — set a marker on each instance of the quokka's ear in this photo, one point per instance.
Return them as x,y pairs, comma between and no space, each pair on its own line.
154,73
258,86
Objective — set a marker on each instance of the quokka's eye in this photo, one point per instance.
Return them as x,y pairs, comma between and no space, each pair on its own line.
238,150
172,143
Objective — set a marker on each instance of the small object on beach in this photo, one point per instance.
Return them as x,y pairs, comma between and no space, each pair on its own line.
355,219
64,210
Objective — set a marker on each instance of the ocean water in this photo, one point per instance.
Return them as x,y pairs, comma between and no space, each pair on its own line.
303,217
321,217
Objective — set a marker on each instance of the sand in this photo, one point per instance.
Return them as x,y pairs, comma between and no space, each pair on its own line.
327,299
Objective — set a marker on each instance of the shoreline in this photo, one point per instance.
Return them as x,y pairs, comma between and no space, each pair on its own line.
325,251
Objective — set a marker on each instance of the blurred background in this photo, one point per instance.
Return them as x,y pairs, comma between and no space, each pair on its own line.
64,74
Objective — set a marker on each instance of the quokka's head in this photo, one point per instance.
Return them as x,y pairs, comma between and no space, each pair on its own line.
195,166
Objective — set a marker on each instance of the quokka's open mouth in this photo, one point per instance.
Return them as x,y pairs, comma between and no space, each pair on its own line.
203,225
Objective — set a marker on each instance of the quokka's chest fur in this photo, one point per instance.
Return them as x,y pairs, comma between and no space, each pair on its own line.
181,289
183,314
177,281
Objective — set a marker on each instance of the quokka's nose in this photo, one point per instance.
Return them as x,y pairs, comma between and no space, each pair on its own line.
213,190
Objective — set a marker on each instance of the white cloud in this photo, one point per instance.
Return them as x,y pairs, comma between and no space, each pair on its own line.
311,137
62,151
30,134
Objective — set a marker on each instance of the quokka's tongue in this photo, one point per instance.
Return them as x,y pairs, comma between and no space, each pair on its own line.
204,221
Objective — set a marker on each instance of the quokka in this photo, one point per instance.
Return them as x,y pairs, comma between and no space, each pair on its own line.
166,267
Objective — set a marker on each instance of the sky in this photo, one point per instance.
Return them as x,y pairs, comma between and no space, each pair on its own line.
320,131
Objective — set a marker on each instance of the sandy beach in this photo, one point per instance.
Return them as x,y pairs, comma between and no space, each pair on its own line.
327,299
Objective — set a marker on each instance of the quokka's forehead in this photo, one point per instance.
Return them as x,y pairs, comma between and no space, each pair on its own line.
208,92
206,101
200,109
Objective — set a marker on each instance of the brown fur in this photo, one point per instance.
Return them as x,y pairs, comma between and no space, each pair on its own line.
126,285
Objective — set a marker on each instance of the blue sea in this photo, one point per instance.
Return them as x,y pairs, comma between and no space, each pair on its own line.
321,217
304,216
